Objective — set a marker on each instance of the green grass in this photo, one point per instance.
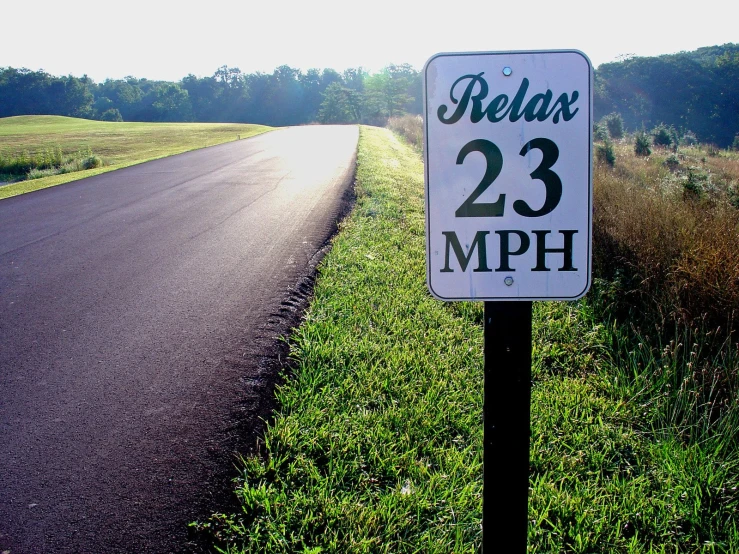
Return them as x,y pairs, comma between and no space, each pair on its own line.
611,470
118,144
377,444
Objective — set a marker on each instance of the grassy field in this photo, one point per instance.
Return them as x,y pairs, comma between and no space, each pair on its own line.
377,445
117,144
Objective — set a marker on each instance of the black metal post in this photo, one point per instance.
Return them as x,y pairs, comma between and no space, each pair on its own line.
507,427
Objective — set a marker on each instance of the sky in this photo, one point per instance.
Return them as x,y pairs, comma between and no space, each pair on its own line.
164,40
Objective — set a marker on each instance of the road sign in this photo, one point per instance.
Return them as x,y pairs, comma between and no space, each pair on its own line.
508,162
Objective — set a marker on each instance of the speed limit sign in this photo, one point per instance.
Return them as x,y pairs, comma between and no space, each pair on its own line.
508,169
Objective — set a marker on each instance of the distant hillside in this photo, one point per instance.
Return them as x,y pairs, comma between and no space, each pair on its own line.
693,91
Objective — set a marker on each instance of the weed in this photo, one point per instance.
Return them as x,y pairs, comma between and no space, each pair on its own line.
47,163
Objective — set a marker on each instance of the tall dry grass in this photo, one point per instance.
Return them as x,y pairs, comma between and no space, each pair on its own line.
409,126
666,236
666,268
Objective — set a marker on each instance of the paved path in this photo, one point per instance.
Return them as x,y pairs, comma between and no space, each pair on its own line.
138,316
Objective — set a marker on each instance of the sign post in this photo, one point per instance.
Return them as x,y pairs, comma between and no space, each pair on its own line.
508,170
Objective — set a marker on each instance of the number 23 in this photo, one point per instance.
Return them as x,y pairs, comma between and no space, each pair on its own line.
494,160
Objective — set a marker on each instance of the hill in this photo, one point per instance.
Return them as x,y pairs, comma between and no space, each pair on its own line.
693,91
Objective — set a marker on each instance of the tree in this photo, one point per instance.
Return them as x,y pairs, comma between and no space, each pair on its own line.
76,99
172,103
340,105
24,92
662,135
615,125
690,90
124,95
284,98
641,144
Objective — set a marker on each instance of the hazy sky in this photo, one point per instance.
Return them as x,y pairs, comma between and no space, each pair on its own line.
168,40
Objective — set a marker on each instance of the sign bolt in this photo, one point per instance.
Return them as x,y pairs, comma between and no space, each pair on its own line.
508,281
507,71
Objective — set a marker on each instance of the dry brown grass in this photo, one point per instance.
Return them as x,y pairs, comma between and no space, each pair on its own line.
670,237
409,126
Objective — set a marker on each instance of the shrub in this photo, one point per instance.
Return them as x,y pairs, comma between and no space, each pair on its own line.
733,195
606,154
735,144
615,124
111,115
696,183
662,135
692,186
91,162
641,144
689,138
672,162
600,132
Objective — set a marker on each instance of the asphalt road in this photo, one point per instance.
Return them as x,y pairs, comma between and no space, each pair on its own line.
140,312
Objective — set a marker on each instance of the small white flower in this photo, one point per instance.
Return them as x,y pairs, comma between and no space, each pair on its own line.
406,488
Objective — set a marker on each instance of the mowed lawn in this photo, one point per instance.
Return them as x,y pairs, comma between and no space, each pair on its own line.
118,144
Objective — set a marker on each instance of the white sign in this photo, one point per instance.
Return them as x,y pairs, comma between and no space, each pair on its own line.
508,162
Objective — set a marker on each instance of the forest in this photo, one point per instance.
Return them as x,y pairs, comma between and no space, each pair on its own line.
696,94
286,97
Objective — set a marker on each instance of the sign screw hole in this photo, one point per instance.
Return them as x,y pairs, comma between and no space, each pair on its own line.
508,281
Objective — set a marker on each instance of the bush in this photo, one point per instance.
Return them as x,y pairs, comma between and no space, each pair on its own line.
733,195
600,132
672,162
735,144
111,115
689,138
606,154
615,124
662,135
91,162
696,183
641,144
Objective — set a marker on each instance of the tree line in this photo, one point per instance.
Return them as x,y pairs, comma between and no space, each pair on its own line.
287,96
696,93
